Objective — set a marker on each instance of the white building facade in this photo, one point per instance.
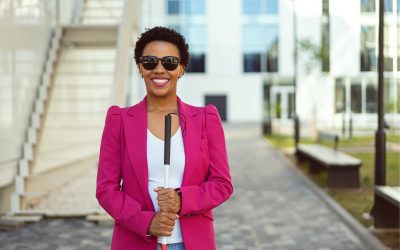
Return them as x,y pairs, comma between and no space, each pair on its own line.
243,59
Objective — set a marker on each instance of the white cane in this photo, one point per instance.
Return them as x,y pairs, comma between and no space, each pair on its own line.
167,154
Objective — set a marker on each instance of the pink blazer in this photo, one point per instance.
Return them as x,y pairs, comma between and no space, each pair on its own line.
122,177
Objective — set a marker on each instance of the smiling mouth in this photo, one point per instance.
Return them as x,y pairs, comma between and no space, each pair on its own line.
160,82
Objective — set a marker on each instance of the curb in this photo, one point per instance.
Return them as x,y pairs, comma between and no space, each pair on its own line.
367,239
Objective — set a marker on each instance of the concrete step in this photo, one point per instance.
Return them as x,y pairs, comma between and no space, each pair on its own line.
103,12
73,134
83,119
63,157
104,4
90,35
81,93
86,67
100,20
88,53
82,105
83,80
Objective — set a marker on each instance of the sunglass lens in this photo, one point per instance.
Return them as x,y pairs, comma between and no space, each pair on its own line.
170,63
149,62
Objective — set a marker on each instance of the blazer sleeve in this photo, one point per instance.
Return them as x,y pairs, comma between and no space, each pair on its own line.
123,208
218,186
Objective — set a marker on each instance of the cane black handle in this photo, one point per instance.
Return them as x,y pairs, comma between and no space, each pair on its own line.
167,140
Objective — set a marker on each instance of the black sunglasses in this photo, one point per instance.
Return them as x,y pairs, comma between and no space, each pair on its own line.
168,62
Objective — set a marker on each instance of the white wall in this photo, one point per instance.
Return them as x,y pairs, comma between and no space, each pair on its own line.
345,38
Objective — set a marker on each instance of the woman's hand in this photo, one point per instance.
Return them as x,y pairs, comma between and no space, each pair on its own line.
168,200
162,224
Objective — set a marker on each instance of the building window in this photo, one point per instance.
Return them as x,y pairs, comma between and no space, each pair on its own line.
196,37
367,54
398,6
388,5
367,5
197,63
193,29
340,96
388,64
356,94
260,6
260,47
173,7
191,7
371,99
252,62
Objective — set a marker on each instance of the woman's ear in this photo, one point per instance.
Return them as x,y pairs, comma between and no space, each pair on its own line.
182,70
140,70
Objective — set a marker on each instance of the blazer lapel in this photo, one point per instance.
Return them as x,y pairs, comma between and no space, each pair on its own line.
191,138
135,128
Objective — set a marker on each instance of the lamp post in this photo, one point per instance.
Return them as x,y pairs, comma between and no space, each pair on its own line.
295,118
380,136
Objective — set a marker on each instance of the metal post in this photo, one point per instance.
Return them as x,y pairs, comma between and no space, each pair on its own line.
351,126
380,137
295,56
295,117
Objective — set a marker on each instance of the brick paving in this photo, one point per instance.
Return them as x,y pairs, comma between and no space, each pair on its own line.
270,209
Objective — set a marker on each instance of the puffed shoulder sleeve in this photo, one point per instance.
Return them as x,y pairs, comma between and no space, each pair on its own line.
218,186
122,207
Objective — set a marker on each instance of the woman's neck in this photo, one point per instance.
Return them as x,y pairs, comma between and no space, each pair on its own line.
162,104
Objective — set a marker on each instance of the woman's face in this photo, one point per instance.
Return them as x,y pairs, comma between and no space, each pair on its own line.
159,81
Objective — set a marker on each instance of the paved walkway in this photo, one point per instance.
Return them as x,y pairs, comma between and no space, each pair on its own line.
271,209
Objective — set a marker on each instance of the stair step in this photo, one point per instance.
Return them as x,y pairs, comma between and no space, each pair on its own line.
81,93
104,4
85,67
83,80
58,158
99,20
102,12
88,53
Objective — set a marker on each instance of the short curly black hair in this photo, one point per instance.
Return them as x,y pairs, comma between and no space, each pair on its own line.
159,33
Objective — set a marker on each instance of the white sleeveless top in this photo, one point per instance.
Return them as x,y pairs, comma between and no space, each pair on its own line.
155,160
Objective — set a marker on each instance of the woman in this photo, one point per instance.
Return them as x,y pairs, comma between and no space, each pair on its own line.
130,173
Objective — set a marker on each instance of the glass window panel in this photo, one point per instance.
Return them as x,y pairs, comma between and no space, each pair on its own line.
260,41
253,38
194,6
173,7
197,63
371,99
340,96
367,5
272,7
252,62
398,6
388,5
251,6
367,54
196,36
356,98
389,102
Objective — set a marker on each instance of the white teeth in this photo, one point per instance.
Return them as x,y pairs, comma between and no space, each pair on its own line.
160,81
